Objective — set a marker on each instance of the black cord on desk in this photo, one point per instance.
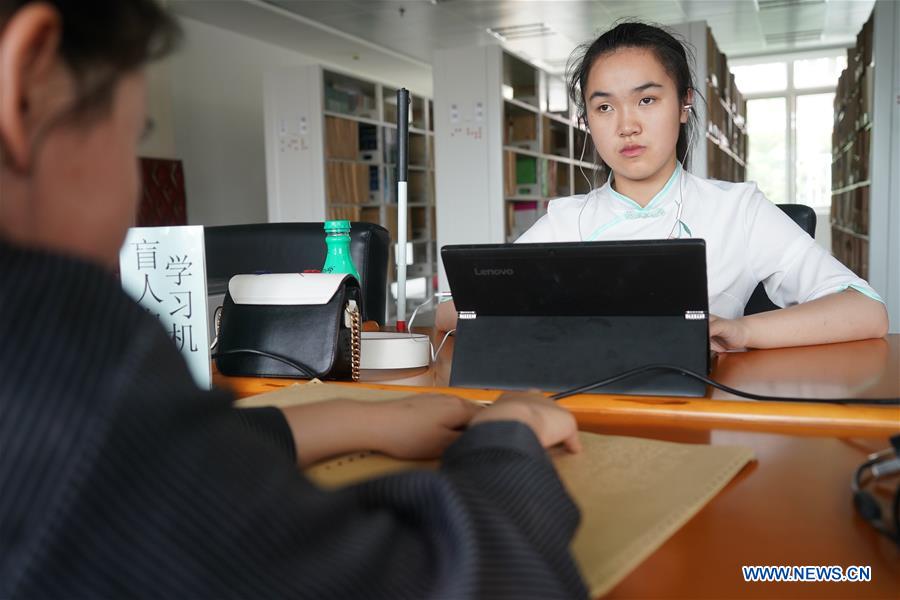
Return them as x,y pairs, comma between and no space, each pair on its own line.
663,367
300,367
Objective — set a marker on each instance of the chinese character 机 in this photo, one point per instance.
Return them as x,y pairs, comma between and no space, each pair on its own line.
183,334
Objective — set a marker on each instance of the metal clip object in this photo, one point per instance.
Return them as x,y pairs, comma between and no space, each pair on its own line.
218,325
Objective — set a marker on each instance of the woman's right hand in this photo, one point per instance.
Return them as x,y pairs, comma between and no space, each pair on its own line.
551,423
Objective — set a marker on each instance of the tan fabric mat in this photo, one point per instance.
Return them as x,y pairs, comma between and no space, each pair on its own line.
633,493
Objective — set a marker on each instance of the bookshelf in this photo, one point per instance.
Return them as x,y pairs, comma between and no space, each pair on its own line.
331,146
726,122
539,156
721,150
507,143
851,141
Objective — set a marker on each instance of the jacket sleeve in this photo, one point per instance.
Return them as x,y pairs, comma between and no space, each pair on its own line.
270,423
183,499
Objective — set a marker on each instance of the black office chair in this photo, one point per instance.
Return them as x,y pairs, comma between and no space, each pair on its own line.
805,217
293,248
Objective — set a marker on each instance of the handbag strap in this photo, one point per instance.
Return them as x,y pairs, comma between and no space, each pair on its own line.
352,311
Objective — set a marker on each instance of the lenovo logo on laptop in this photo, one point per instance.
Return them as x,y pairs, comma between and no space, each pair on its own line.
492,272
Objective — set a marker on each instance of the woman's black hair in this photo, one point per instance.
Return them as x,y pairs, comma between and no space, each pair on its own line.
673,54
102,40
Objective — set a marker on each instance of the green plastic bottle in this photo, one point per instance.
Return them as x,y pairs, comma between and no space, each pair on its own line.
337,238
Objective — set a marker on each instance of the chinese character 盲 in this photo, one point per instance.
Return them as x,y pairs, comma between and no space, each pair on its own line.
146,254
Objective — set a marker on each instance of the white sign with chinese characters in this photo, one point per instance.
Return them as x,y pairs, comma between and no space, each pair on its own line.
164,270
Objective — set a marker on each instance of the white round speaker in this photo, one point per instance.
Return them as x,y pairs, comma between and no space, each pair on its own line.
387,350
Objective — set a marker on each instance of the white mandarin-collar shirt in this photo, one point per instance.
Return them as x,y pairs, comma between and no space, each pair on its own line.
748,238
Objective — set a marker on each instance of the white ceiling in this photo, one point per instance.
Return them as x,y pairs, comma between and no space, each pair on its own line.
740,27
407,32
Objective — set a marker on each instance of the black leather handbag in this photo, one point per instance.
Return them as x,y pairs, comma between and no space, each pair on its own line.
273,326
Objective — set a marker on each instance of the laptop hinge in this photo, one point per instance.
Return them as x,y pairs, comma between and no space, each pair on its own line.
467,314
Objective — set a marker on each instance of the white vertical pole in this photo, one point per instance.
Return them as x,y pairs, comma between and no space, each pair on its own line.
401,252
402,163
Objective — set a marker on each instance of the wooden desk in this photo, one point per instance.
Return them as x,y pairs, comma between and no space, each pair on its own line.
855,369
792,507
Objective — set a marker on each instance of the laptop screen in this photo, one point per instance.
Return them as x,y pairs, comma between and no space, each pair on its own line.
620,278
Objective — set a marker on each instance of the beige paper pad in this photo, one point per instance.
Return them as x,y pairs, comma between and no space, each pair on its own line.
633,493
316,391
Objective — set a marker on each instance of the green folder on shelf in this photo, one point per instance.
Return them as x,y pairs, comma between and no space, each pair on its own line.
526,176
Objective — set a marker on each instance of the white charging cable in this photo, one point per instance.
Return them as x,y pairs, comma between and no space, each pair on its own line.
412,318
435,353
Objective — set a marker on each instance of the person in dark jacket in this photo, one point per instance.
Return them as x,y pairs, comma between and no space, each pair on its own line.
120,478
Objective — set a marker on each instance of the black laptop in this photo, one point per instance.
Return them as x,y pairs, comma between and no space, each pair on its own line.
560,315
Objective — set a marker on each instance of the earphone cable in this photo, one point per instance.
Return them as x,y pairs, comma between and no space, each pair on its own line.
587,134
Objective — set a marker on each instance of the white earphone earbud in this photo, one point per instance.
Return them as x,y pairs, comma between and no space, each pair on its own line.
687,107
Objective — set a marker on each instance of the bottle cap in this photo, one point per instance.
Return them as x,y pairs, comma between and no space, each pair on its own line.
337,226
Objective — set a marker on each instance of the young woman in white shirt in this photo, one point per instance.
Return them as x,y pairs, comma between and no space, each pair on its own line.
633,90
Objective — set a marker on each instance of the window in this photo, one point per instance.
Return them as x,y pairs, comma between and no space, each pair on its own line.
812,134
818,72
765,77
767,145
789,118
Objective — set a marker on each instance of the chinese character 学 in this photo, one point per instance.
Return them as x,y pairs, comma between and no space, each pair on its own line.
178,267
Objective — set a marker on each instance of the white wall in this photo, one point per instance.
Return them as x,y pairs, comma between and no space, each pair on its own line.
884,198
468,166
216,84
160,140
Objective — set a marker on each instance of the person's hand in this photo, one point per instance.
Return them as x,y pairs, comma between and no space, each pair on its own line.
728,334
551,423
418,427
